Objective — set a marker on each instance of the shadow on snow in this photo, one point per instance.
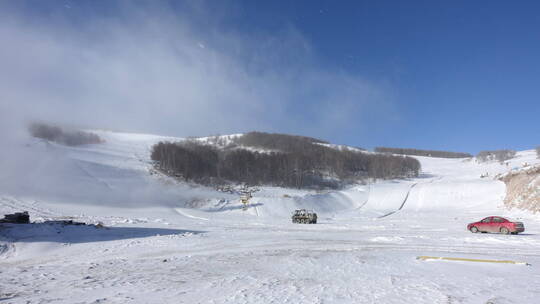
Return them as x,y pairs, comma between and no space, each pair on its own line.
46,232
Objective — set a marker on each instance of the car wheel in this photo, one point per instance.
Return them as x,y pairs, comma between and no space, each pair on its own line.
505,230
474,229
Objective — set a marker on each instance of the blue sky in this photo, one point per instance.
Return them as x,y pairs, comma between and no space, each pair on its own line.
465,74
460,75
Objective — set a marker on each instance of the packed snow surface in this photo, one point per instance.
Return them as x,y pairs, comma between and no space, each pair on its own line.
170,242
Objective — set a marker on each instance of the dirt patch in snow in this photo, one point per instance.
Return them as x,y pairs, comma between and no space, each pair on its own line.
523,189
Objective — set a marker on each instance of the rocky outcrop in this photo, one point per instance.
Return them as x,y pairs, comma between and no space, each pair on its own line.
523,189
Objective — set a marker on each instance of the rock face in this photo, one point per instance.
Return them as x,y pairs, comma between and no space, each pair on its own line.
523,189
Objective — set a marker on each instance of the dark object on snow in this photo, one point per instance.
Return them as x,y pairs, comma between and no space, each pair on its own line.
63,136
16,218
64,223
303,216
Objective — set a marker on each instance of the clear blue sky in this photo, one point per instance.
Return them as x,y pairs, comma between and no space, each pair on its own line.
456,75
466,74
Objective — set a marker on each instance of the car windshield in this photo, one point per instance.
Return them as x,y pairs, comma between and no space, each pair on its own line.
486,220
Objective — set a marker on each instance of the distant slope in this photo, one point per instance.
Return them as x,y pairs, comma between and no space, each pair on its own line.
115,172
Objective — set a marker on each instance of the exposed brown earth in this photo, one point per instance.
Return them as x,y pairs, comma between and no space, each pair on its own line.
523,189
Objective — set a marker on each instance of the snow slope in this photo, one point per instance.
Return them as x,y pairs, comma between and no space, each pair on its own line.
169,242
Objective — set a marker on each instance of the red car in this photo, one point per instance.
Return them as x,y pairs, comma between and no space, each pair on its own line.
496,224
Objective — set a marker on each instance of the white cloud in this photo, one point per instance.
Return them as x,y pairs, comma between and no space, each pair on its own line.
161,72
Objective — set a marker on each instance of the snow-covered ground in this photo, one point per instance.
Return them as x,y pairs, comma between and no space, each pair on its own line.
168,242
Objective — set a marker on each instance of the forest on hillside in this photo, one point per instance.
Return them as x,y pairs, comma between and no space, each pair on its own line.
63,136
287,161
495,155
418,152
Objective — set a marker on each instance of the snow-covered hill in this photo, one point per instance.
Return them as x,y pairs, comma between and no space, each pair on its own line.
169,242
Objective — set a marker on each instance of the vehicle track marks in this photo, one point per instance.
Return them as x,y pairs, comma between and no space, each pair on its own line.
367,199
402,203
87,173
407,197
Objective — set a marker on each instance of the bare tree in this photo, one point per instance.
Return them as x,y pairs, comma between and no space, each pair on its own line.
292,161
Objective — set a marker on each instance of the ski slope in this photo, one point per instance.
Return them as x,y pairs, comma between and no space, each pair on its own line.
171,242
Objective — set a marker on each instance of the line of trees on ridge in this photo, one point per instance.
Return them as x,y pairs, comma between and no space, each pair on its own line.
63,136
286,160
418,152
498,155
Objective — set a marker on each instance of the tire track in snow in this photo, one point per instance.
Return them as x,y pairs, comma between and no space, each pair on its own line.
302,245
179,211
7,248
402,203
18,205
87,173
367,199
407,197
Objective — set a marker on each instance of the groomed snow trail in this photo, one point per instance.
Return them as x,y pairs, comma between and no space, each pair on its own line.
158,249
